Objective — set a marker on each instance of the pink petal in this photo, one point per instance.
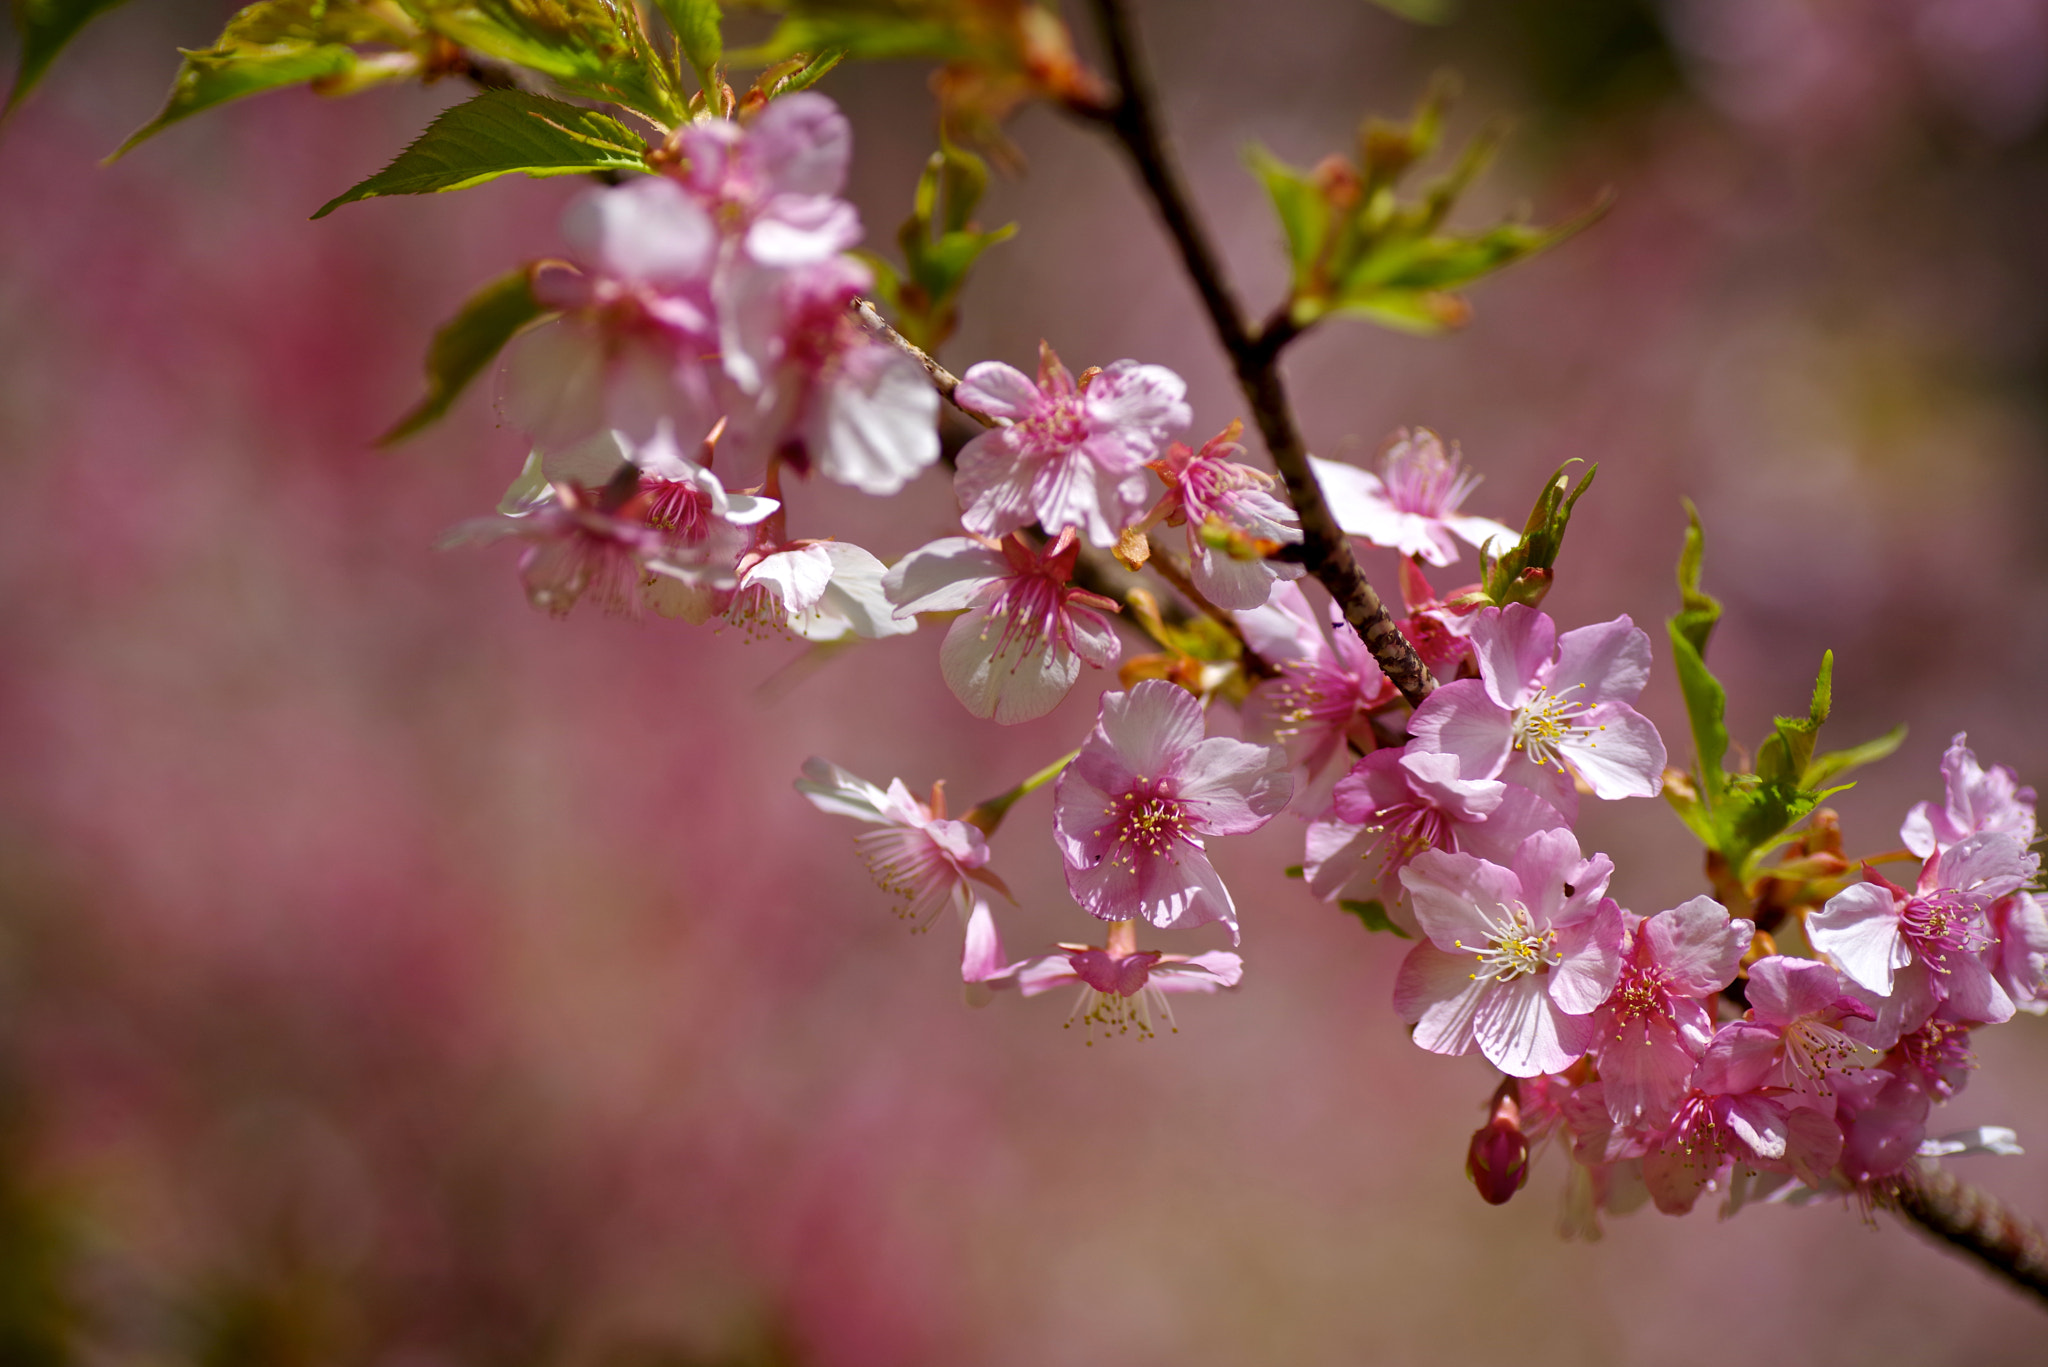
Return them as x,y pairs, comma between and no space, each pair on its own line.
1231,787
1611,660
944,576
1522,1033
993,484
1859,930
800,144
1513,646
1022,680
1698,945
1462,719
1621,756
999,390
1437,993
1151,726
1454,897
1591,961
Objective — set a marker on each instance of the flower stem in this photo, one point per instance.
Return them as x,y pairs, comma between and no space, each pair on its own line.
1122,940
989,815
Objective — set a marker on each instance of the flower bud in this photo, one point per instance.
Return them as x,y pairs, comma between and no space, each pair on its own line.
1498,1161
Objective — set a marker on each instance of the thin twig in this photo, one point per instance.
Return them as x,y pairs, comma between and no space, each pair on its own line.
943,380
1134,121
1973,1222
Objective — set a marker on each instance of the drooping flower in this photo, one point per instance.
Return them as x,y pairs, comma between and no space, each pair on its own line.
1121,992
917,855
1547,707
1651,1033
1131,811
637,322
1927,947
1412,504
1978,800
773,183
1017,649
1517,958
1234,524
1069,454
1394,804
819,590
1323,696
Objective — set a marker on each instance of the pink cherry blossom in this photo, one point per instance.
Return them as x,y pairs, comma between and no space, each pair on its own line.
1121,992
1412,504
773,183
917,855
637,321
819,390
1792,1038
1651,1032
1440,632
1131,810
1978,800
1068,454
1017,649
1234,524
2019,925
1756,1129
1546,708
1927,947
1517,957
1323,696
1394,804
819,590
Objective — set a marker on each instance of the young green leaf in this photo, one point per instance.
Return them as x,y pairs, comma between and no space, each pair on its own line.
1706,702
44,28
467,343
1825,767
1375,917
1785,754
1522,572
280,43
695,24
502,133
592,49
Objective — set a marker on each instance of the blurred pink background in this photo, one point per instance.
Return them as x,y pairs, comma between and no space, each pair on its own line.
392,975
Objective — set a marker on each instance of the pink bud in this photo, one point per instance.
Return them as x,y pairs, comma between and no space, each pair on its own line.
1498,1161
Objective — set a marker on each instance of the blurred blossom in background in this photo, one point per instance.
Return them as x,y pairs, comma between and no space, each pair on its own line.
392,975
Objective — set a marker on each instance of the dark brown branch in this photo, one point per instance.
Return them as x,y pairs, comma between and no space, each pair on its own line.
1973,1222
1134,121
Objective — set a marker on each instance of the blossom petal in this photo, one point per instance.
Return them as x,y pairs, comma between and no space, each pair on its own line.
1463,719
943,576
1513,646
1522,1032
1232,787
876,426
832,789
1619,755
1151,725
1006,676
999,390
993,484
1607,662
1454,894
1859,930
1437,994
1698,945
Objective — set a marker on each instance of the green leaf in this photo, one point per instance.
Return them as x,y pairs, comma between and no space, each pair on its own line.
467,343
1303,211
44,28
1375,917
871,37
1784,755
502,133
1522,572
695,24
1836,762
282,43
592,49
1706,702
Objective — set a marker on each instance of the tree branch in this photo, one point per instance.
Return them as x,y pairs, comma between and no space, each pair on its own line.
1134,122
1972,1222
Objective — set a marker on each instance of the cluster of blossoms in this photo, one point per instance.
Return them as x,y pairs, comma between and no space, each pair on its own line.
706,316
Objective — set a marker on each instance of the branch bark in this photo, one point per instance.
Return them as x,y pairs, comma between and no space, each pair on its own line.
1255,357
1973,1222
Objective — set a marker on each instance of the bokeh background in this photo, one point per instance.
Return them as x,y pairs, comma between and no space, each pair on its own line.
391,975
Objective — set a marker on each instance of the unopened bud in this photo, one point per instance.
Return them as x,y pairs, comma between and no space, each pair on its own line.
1498,1161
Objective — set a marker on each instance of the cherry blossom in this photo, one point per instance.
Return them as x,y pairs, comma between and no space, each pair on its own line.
1651,1033
1323,696
773,183
1517,958
1394,804
1131,810
1121,991
1547,708
1068,453
1017,649
637,321
1978,800
1793,1037
1233,523
918,855
1412,504
819,590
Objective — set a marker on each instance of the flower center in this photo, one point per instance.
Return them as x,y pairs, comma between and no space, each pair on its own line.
1063,428
1405,830
1942,923
1813,1049
1514,946
1640,997
1549,722
1421,479
1149,821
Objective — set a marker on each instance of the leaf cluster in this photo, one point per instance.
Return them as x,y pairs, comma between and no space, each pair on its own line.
1522,573
1743,814
1358,249
940,244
